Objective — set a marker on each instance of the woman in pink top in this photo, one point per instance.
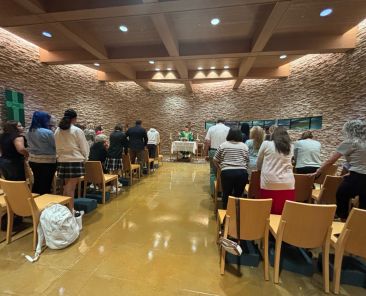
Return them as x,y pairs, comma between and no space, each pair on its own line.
274,162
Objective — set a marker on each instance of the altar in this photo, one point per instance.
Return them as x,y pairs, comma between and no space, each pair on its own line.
186,146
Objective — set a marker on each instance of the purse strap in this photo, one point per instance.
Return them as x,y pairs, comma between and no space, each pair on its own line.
237,206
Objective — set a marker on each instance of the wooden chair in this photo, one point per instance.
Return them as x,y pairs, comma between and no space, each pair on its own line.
21,202
330,171
254,186
352,239
217,190
327,194
254,225
94,174
303,187
160,156
304,226
129,168
148,161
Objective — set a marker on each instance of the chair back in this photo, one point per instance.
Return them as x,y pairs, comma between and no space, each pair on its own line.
254,184
218,187
330,171
94,172
355,241
17,194
254,216
306,225
126,162
303,187
328,191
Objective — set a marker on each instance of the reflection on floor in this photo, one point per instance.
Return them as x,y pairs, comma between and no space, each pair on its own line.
156,238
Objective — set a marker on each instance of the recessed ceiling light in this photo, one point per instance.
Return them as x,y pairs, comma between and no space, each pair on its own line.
213,68
215,21
96,64
123,28
283,56
326,12
152,62
169,69
157,69
199,68
226,67
47,34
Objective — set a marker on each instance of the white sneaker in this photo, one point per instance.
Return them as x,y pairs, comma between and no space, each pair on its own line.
120,185
113,190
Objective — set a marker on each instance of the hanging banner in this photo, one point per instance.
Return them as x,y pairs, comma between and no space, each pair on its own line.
14,104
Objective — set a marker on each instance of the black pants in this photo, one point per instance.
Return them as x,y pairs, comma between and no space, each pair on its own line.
306,170
13,169
43,176
351,186
233,183
152,150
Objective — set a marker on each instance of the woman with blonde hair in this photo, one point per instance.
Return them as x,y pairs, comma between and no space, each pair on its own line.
255,141
353,148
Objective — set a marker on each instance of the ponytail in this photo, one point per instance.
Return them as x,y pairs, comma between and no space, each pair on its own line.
65,123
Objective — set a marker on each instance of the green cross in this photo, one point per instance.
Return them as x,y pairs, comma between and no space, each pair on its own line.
15,105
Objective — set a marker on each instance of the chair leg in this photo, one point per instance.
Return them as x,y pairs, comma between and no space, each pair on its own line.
222,261
35,235
277,261
85,184
9,228
116,187
326,268
338,258
103,193
266,260
131,178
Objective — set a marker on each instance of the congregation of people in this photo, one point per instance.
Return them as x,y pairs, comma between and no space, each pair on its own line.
63,148
236,153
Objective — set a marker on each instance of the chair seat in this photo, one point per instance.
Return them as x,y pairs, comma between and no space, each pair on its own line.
135,166
221,215
337,228
315,194
108,177
44,200
274,223
151,160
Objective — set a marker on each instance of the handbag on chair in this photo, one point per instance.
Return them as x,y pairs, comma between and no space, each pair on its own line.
230,246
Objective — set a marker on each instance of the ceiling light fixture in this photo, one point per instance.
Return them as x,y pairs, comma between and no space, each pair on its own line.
215,21
47,34
96,64
157,69
123,28
283,56
226,67
213,68
152,62
199,68
326,12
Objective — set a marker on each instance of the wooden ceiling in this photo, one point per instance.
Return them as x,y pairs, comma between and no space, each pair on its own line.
178,36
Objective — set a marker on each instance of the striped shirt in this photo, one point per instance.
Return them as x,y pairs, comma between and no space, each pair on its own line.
232,155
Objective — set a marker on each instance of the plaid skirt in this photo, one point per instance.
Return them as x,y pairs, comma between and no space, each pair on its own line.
113,164
67,170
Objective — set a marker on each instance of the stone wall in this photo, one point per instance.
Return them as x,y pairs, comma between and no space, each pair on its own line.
332,85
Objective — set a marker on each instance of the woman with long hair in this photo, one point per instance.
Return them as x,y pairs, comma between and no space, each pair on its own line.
232,159
274,162
256,136
245,129
42,152
118,144
13,151
353,148
72,151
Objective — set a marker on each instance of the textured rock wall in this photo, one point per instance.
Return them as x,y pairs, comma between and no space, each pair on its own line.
332,85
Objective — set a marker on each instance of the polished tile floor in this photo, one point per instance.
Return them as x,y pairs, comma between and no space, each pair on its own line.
156,238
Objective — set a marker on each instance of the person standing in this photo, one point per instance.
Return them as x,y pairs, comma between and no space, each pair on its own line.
353,148
274,162
118,144
42,152
72,151
137,138
13,151
245,129
307,154
232,158
153,137
254,143
216,135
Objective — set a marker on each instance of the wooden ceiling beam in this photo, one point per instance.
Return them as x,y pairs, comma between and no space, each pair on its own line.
33,6
125,11
188,85
262,38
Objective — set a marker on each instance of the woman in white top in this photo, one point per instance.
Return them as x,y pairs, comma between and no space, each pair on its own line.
72,151
274,162
232,158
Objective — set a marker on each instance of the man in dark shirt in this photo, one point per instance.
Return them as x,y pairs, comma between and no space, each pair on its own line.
137,138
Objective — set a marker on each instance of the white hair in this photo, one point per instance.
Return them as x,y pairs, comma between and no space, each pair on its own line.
355,131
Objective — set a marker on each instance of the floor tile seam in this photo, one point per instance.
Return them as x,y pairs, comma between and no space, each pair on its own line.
199,292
